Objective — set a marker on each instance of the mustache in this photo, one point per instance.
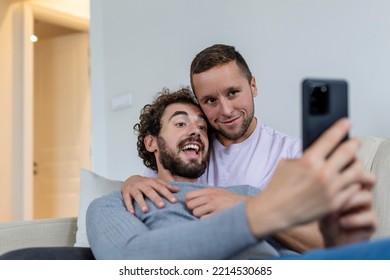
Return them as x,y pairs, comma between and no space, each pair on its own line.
230,117
192,139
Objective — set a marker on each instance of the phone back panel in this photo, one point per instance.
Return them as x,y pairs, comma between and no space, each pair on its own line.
323,103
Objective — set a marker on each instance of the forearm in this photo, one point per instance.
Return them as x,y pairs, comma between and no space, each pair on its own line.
301,238
114,233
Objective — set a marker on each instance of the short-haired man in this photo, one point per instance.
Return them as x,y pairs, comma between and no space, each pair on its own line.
243,149
173,140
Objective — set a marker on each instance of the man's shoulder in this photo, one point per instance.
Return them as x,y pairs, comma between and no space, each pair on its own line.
271,139
112,200
268,131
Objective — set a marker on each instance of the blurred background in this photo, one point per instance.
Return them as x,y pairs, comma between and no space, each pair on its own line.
70,94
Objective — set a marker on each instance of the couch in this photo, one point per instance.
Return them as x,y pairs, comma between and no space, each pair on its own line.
69,232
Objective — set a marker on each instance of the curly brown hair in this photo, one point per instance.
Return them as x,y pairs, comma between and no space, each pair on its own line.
217,55
150,119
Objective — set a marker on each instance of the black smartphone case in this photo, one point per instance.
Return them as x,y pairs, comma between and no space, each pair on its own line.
323,103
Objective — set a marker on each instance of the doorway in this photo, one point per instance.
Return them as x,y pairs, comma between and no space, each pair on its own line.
62,118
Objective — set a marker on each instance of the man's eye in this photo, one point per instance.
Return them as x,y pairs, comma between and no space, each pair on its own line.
180,124
210,101
203,127
233,92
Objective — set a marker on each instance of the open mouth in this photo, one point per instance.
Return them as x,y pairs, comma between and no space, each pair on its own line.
191,149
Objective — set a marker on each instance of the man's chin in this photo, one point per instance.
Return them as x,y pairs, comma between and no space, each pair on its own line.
194,169
192,159
231,135
190,171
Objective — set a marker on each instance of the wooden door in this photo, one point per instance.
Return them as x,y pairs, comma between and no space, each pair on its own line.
62,125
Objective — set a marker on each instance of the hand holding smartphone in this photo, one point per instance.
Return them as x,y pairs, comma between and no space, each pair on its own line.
323,103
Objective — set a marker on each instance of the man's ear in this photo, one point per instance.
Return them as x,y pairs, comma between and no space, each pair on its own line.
254,86
150,143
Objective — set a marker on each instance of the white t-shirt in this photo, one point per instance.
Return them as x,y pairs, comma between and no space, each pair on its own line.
250,162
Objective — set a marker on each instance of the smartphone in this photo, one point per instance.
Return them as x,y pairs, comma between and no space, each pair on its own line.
323,103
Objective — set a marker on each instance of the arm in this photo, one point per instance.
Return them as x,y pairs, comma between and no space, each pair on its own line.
322,182
115,234
209,201
301,238
322,168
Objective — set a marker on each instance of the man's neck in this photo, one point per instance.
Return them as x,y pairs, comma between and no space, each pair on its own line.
166,176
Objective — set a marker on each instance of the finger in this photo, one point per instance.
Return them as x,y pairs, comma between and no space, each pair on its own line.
168,186
130,181
167,191
197,193
344,195
361,219
329,140
344,155
164,189
368,181
196,202
152,194
139,198
154,189
128,202
362,199
353,174
361,235
359,212
202,210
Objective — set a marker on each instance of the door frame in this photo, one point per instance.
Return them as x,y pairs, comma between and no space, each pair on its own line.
24,89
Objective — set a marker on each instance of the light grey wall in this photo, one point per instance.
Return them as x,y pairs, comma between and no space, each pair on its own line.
138,47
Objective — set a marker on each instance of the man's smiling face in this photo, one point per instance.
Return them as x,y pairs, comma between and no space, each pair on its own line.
182,145
226,98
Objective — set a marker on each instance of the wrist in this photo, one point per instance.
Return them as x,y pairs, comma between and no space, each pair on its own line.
264,218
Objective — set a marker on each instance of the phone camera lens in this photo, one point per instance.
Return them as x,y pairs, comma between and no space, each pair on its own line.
319,100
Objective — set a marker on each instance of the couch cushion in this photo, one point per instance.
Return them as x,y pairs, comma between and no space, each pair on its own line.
368,150
381,167
375,154
37,233
92,186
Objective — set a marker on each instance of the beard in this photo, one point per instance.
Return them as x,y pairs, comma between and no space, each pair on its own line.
244,127
174,164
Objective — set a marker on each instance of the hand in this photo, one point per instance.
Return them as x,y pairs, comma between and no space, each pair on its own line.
355,222
301,238
303,190
207,201
137,188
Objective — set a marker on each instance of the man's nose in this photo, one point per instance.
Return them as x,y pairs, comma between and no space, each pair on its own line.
226,107
194,129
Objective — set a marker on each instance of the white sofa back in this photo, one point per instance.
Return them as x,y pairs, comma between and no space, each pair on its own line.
375,154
